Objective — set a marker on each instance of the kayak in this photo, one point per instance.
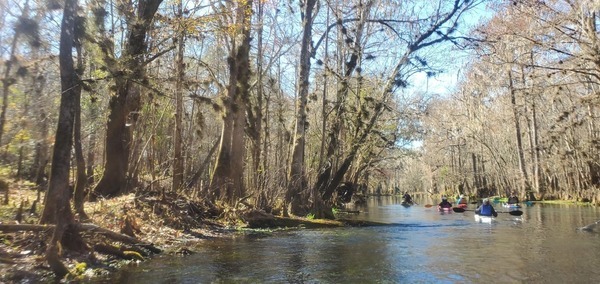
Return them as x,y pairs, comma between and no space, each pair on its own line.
462,205
445,209
406,204
514,205
484,219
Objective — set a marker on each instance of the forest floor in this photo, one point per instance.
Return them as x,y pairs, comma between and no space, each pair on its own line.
171,223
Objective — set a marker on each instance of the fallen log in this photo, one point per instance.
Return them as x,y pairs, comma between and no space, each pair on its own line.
349,211
593,227
11,228
124,254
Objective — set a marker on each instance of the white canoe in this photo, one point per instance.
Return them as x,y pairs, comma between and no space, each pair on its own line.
484,219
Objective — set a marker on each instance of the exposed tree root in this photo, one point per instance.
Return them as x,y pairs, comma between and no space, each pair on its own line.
86,227
120,252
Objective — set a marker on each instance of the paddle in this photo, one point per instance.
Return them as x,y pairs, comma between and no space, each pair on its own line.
514,212
428,205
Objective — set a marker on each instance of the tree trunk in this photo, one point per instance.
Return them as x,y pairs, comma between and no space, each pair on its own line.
537,181
297,179
520,152
257,174
194,179
57,207
476,175
221,179
81,180
91,151
125,104
178,135
113,179
228,179
324,112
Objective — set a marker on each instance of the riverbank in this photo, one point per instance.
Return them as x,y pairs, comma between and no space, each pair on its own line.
159,224
167,224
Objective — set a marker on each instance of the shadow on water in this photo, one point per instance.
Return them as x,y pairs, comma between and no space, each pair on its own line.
418,245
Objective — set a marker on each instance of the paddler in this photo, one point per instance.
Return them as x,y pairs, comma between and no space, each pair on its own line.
486,209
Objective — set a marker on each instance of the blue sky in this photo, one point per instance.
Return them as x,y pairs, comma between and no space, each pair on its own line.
446,82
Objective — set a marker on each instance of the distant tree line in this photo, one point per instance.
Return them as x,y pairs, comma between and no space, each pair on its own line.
524,117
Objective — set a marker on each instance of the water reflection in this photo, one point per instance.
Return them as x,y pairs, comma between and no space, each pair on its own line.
420,245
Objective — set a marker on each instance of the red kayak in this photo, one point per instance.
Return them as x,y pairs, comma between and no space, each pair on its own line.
462,205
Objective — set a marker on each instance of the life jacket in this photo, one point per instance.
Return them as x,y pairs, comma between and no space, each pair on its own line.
485,210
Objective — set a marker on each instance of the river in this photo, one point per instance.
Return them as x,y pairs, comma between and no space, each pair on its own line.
420,245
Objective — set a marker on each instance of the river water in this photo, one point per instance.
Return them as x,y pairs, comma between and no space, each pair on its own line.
420,245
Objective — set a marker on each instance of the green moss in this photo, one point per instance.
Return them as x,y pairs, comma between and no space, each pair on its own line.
76,273
80,268
133,255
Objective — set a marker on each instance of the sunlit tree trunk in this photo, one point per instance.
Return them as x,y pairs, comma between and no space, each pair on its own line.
58,190
297,179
